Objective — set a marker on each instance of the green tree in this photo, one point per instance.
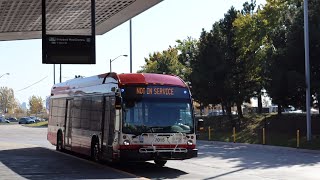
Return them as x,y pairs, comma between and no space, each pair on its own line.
165,62
208,70
36,104
187,51
263,38
236,82
253,47
218,74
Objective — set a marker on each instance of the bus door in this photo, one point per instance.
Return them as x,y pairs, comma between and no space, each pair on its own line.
68,127
108,125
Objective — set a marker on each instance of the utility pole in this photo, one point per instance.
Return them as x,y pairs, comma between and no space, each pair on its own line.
130,46
60,74
54,74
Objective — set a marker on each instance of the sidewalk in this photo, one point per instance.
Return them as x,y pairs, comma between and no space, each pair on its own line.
259,146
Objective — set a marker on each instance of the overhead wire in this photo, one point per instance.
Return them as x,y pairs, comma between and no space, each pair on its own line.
33,84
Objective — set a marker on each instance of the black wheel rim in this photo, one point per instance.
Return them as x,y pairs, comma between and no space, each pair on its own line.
59,143
96,152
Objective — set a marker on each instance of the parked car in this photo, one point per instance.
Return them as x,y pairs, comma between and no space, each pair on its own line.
215,113
36,119
12,119
26,120
4,120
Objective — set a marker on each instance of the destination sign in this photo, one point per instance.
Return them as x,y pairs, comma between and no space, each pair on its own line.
155,91
151,90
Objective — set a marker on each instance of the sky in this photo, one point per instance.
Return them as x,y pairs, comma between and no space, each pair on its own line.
154,30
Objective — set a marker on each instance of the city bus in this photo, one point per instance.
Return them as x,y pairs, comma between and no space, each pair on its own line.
124,117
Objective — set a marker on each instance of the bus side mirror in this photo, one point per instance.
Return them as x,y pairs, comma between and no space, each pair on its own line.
116,91
200,125
118,102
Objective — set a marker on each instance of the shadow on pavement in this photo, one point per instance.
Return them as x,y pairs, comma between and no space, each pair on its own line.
40,163
149,170
251,157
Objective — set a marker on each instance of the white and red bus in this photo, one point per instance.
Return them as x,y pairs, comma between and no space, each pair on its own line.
129,117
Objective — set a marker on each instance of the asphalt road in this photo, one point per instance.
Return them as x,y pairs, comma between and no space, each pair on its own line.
26,154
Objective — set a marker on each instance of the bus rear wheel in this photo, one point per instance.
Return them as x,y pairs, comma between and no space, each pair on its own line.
59,141
95,150
160,163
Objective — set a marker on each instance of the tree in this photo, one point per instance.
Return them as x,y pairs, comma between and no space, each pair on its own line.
263,38
288,39
236,82
254,48
218,74
187,51
208,69
36,104
7,100
165,62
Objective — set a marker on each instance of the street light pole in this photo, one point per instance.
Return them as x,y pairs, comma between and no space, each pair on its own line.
110,66
307,69
111,60
4,74
130,46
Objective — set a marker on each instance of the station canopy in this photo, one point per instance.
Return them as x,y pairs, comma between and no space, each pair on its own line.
22,19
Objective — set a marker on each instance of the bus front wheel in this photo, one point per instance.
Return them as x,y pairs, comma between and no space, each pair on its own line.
59,141
160,163
95,150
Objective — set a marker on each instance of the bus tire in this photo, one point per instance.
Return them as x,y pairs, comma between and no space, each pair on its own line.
95,150
160,163
59,141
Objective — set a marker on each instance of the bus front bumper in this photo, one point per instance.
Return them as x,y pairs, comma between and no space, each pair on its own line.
135,155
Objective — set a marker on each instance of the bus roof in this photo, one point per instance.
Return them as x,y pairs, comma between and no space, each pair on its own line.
151,79
83,84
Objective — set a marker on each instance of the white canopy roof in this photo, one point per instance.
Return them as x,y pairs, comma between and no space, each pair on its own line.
21,19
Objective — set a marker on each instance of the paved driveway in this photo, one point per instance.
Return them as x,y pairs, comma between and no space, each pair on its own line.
25,153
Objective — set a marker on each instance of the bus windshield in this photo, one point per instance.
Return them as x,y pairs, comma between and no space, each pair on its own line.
157,116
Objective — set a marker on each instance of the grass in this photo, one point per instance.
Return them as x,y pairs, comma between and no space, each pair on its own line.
279,130
38,124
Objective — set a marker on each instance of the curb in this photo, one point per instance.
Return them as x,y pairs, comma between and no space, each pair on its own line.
260,146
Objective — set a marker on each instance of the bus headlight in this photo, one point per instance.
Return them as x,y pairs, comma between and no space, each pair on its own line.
189,143
126,142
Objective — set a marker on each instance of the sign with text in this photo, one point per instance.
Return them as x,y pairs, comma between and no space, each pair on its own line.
69,49
155,92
